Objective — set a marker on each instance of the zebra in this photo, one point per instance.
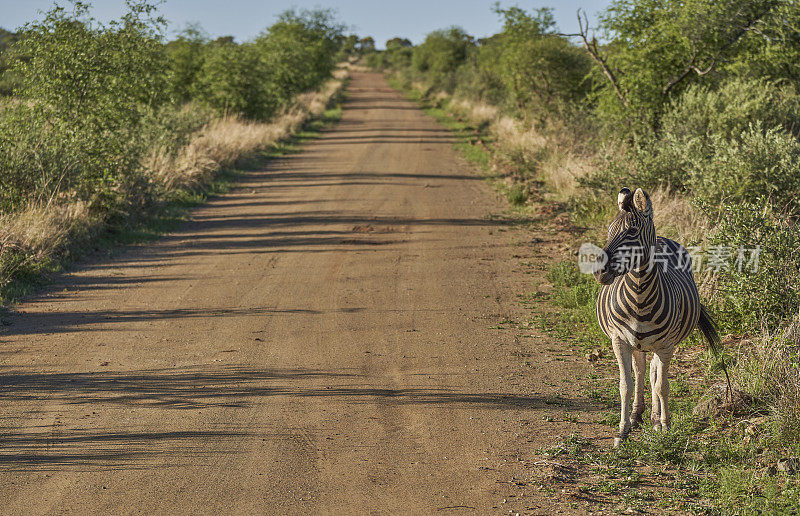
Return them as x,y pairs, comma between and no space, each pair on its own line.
648,302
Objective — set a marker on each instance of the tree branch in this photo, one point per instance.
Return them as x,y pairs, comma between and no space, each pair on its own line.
692,67
594,51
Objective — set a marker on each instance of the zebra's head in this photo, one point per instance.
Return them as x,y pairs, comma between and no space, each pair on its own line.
631,236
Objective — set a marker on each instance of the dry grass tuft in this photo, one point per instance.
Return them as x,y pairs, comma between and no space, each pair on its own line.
768,368
528,152
676,218
511,134
478,112
39,229
228,141
37,233
549,155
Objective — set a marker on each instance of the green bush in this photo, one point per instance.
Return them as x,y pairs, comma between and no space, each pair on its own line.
517,195
540,70
84,87
440,55
256,79
233,81
727,111
185,57
770,294
297,53
757,164
7,81
730,143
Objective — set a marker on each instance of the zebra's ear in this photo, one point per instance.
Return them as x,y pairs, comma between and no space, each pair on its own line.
642,203
624,199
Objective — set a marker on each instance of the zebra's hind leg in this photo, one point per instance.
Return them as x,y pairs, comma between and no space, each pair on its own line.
661,390
623,352
638,397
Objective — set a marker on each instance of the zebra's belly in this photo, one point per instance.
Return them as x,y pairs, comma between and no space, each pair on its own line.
648,328
646,336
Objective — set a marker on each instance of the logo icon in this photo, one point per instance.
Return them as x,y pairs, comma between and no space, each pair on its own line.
591,258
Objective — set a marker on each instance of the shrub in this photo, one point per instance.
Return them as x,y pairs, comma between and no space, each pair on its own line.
517,195
540,70
234,80
185,57
728,143
770,294
727,111
758,164
440,55
298,52
84,87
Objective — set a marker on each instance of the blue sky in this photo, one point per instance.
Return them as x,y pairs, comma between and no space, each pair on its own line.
244,19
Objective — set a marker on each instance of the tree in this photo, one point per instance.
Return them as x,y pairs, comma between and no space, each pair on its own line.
186,56
659,47
398,43
440,55
541,70
398,53
299,50
366,45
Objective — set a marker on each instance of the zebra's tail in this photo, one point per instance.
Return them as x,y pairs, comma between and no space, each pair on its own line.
708,328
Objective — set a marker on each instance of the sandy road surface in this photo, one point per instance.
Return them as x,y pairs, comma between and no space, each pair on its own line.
319,340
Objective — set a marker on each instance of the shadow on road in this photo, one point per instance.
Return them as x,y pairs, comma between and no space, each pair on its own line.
196,389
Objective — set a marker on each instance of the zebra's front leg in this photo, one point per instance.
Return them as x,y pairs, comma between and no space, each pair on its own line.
655,412
661,420
622,350
638,397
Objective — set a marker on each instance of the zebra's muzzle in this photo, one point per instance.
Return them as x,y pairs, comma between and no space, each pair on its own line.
605,276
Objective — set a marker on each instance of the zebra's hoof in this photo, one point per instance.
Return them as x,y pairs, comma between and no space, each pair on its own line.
618,441
636,423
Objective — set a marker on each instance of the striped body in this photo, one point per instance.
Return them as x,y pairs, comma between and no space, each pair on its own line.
654,308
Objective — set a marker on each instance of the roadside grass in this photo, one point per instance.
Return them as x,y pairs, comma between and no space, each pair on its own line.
704,465
717,465
32,273
471,139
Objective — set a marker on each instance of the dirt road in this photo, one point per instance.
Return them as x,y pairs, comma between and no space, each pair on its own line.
323,339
